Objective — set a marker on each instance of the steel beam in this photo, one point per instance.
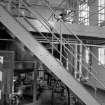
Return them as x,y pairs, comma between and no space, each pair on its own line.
80,30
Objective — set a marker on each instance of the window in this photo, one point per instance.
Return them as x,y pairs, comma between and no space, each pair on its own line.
101,56
84,13
101,8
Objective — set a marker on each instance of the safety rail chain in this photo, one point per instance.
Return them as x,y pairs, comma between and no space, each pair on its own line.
26,5
99,81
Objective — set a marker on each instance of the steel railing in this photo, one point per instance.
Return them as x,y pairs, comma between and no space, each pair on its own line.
48,27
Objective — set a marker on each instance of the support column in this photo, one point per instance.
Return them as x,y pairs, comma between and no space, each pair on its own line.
6,75
93,12
68,2
35,102
1,80
76,13
8,6
75,63
61,44
80,61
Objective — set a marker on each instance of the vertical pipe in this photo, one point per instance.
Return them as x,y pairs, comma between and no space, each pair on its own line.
80,62
95,92
68,3
90,59
93,13
9,5
69,98
19,8
52,45
67,63
2,78
75,62
89,63
76,12
52,97
61,44
35,85
12,73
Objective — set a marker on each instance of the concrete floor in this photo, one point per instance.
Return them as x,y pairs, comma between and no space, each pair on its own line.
98,94
46,97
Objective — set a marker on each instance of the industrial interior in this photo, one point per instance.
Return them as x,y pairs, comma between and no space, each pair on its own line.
52,52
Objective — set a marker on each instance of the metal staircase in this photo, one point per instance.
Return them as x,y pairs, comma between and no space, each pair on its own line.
61,40
20,32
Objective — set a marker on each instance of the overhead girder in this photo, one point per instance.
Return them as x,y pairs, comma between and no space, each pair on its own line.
80,30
